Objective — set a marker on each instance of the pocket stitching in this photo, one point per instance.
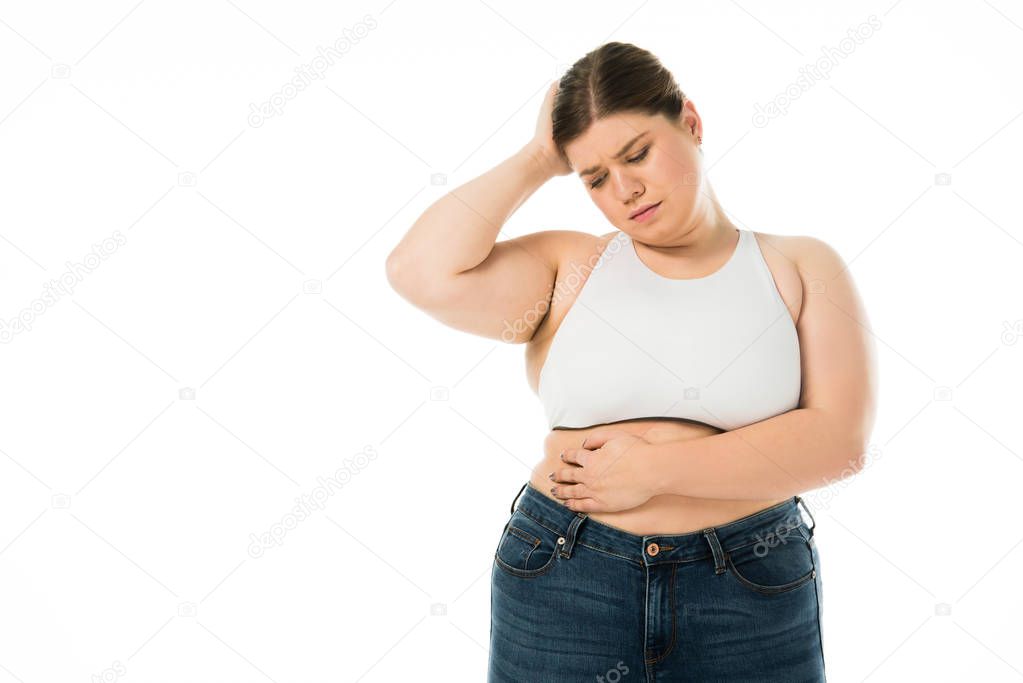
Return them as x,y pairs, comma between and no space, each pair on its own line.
535,542
773,590
526,573
525,536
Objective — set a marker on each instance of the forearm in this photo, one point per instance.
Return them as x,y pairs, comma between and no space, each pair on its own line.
467,220
797,451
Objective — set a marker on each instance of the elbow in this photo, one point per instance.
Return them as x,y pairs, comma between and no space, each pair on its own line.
858,431
848,447
393,270
400,276
408,280
843,448
863,453
856,456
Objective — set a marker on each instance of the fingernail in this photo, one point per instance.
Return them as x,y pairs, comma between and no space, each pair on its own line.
562,456
551,476
552,489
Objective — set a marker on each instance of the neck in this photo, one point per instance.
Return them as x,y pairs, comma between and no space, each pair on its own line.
709,232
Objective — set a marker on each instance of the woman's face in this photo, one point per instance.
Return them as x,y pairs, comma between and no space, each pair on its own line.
659,162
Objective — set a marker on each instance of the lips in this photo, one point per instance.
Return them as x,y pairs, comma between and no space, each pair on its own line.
642,209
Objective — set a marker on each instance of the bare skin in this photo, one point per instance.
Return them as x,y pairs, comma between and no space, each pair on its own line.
665,514
518,290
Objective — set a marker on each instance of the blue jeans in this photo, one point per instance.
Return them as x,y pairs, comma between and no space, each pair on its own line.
573,599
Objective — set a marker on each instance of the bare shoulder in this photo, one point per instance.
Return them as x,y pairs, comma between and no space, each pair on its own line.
557,247
573,254
565,247
839,358
823,271
785,246
563,251
577,238
569,251
781,253
814,257
811,256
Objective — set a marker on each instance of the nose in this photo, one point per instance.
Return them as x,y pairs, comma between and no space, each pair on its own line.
626,186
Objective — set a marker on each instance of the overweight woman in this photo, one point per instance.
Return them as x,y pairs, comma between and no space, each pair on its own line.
696,378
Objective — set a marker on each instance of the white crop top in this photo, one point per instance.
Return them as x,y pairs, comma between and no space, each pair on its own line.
720,349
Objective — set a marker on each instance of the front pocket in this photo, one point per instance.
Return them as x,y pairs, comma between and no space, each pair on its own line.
526,549
776,563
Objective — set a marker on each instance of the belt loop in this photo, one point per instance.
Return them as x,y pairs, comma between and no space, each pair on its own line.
715,547
806,507
570,535
517,497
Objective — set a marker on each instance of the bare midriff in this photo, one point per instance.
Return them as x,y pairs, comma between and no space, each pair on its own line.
661,514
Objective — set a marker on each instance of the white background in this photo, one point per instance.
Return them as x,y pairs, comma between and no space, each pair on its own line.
251,272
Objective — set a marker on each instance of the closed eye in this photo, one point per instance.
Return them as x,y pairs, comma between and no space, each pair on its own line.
634,160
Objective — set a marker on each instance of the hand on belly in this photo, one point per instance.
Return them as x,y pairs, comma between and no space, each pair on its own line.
661,514
609,475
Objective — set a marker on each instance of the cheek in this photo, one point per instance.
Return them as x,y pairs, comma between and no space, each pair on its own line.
606,205
677,170
672,171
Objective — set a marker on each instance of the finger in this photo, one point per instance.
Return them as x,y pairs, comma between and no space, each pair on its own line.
599,438
582,505
566,491
565,475
575,456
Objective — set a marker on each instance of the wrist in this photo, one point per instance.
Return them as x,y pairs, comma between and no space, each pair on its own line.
538,159
657,479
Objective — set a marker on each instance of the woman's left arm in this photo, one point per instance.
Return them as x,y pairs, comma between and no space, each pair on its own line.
811,446
806,448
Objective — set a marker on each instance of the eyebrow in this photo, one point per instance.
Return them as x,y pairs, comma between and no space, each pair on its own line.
629,144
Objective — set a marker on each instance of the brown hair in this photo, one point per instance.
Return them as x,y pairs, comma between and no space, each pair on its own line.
616,77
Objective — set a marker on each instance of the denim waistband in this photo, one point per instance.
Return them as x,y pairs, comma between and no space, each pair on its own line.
763,526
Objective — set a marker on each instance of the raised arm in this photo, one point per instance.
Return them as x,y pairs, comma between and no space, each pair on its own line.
449,265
